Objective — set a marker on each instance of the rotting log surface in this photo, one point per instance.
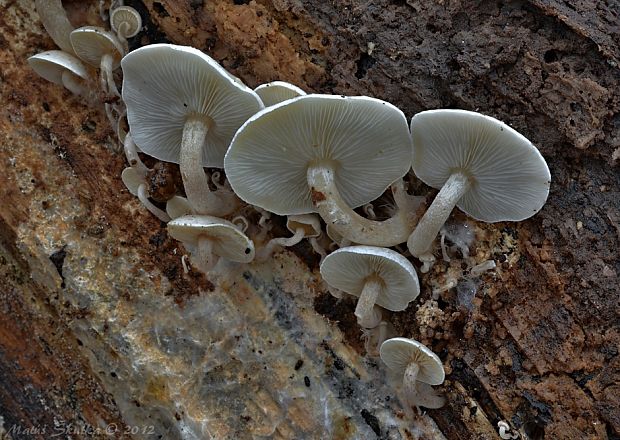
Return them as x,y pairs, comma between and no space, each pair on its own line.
540,346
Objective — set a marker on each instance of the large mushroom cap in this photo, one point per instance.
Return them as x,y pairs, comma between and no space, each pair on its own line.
510,179
366,140
91,43
164,84
398,353
228,241
50,65
350,267
276,92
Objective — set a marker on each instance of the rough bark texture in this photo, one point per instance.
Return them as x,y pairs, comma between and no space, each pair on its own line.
536,346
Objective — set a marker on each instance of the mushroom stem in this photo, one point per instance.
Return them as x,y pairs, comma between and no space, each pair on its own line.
421,240
207,258
367,299
280,241
195,181
410,378
131,153
55,21
372,320
107,77
345,221
72,83
144,198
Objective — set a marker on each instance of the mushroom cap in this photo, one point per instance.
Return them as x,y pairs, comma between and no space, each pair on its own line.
366,140
163,84
50,65
510,178
178,207
349,268
277,91
91,43
309,222
228,241
132,180
126,14
398,353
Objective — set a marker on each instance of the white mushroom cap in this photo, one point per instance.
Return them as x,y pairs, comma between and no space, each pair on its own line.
129,16
132,179
509,178
277,91
228,241
50,65
163,84
91,43
178,206
350,267
398,353
310,223
364,138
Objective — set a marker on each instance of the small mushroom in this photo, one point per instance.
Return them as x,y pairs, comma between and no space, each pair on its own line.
377,275
210,238
61,68
414,362
101,49
178,207
135,182
126,22
487,169
277,91
302,226
325,154
183,107
56,23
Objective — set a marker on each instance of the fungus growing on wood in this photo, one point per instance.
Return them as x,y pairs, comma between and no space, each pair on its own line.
325,154
61,68
183,107
56,23
487,169
277,91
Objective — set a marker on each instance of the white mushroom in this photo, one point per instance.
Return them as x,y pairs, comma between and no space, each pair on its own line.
302,226
413,362
277,91
183,107
325,154
101,49
487,169
178,206
377,275
209,238
61,68
126,22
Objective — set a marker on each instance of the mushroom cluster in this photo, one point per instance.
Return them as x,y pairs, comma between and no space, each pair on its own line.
313,158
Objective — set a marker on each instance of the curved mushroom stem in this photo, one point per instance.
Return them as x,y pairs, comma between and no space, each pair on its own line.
345,221
55,21
144,198
421,240
367,299
410,379
131,153
316,246
72,83
207,258
267,251
195,181
107,77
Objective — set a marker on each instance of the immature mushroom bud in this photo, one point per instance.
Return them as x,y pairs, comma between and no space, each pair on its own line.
210,238
183,107
277,91
55,21
487,169
325,154
377,275
413,362
101,49
302,226
61,68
